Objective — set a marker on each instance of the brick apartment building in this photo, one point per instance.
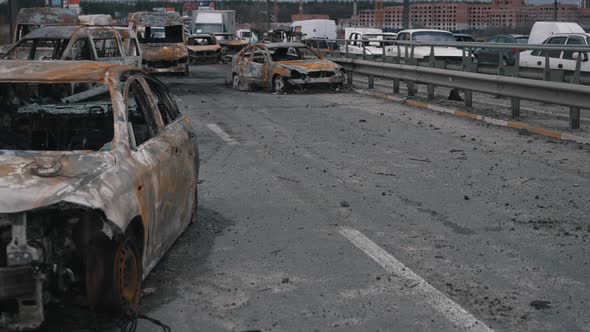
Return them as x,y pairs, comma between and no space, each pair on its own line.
457,16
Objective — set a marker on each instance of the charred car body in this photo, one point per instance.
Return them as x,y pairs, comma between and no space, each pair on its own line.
282,65
162,39
230,44
30,19
203,48
74,43
96,184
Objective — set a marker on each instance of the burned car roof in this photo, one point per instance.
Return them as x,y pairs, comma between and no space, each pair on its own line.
66,32
47,15
53,32
28,71
158,19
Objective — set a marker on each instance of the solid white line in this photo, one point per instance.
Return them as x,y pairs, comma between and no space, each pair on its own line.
224,136
453,311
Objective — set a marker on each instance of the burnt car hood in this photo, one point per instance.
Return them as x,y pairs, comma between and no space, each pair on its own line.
31,179
306,66
205,48
164,51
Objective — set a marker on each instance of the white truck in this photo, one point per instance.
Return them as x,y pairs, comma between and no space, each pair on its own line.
213,21
313,29
543,30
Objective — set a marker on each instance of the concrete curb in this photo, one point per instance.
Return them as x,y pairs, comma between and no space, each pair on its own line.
472,116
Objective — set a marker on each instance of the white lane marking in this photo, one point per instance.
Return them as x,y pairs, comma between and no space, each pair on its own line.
224,136
451,310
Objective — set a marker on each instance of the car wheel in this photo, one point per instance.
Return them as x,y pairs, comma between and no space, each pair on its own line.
278,84
236,81
114,275
127,275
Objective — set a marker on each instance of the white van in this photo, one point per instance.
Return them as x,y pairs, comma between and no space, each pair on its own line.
543,30
313,29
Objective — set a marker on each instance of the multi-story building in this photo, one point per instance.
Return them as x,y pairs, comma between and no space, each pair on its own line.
473,16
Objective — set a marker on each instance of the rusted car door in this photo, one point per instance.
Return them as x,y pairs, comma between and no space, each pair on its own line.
152,153
256,67
177,133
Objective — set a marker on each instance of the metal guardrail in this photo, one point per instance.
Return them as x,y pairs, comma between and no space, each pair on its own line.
548,85
559,93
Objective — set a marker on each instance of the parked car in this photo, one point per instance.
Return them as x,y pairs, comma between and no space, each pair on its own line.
97,43
96,184
463,37
278,66
230,44
356,41
449,54
161,36
558,59
492,55
203,48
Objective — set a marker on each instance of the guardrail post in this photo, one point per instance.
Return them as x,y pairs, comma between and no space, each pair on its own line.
575,111
371,79
574,118
346,47
349,76
364,51
383,52
468,93
547,68
430,87
395,85
515,102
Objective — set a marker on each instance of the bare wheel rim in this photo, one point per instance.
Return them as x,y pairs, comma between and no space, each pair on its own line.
127,275
279,84
236,81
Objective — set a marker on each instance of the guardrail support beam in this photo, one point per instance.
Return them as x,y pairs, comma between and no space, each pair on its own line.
371,80
574,118
515,105
468,98
395,86
430,92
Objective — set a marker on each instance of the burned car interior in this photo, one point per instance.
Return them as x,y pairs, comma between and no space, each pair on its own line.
168,34
35,118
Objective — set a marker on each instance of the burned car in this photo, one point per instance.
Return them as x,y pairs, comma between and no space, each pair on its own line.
279,66
230,44
203,48
73,43
30,19
162,40
98,178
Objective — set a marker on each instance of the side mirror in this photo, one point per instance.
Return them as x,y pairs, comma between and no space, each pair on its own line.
580,55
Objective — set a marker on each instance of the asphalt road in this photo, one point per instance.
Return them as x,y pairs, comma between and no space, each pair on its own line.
335,211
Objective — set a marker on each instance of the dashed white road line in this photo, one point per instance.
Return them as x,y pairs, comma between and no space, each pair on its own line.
425,291
222,134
